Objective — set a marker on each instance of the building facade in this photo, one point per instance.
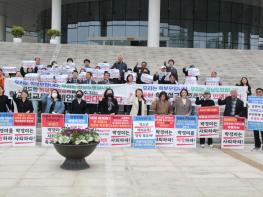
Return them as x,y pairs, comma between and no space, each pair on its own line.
231,24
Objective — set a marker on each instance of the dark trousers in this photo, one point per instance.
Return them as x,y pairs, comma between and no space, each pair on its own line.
209,141
258,142
127,109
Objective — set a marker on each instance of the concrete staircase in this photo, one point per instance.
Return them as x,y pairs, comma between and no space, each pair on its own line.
231,65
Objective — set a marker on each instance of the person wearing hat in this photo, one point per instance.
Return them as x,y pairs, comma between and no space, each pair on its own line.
206,101
158,77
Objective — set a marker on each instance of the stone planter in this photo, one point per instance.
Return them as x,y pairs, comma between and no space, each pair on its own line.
54,40
75,155
17,40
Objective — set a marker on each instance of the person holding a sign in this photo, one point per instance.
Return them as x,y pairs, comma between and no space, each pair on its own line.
78,105
23,104
171,68
53,103
206,101
141,70
122,67
158,76
108,104
191,71
5,102
172,79
258,142
139,107
161,105
213,80
183,105
233,105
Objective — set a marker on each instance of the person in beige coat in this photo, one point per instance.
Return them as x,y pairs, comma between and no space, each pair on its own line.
139,107
183,105
162,105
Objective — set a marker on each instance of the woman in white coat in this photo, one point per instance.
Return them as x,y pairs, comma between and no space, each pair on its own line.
139,107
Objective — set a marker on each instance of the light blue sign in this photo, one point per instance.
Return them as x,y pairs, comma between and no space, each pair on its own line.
255,113
6,119
186,122
76,120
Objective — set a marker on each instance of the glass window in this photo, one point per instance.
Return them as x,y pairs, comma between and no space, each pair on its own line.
200,9
187,7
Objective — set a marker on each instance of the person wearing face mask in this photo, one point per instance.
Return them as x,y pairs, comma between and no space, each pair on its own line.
206,101
182,104
108,104
53,103
5,102
78,105
23,104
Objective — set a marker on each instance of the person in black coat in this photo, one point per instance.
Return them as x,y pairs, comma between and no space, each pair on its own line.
172,79
233,105
23,104
108,104
122,67
5,102
106,78
205,102
78,105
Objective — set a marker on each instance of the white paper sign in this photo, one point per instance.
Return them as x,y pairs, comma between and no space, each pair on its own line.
145,78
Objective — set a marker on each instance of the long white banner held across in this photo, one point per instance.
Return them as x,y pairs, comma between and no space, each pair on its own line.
122,91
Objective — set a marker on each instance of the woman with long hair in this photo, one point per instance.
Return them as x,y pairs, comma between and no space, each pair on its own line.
161,105
53,103
108,104
138,102
244,82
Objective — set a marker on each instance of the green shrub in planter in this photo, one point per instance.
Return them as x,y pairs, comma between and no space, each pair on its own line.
52,33
17,31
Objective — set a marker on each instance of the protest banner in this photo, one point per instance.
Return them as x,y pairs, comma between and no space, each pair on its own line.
145,78
165,131
121,130
233,133
190,81
102,125
28,64
185,131
51,125
144,133
104,66
92,93
6,129
193,72
255,113
208,122
212,81
9,69
24,133
76,121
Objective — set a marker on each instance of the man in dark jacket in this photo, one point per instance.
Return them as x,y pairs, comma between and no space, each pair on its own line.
205,102
234,106
122,67
88,79
106,78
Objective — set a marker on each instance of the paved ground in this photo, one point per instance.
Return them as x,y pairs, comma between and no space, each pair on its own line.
132,172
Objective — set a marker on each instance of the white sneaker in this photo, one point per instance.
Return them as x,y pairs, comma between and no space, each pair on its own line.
211,146
202,145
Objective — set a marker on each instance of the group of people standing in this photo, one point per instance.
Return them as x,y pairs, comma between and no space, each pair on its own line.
137,104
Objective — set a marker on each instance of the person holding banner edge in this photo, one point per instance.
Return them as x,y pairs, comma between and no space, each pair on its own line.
23,104
53,103
258,142
206,101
